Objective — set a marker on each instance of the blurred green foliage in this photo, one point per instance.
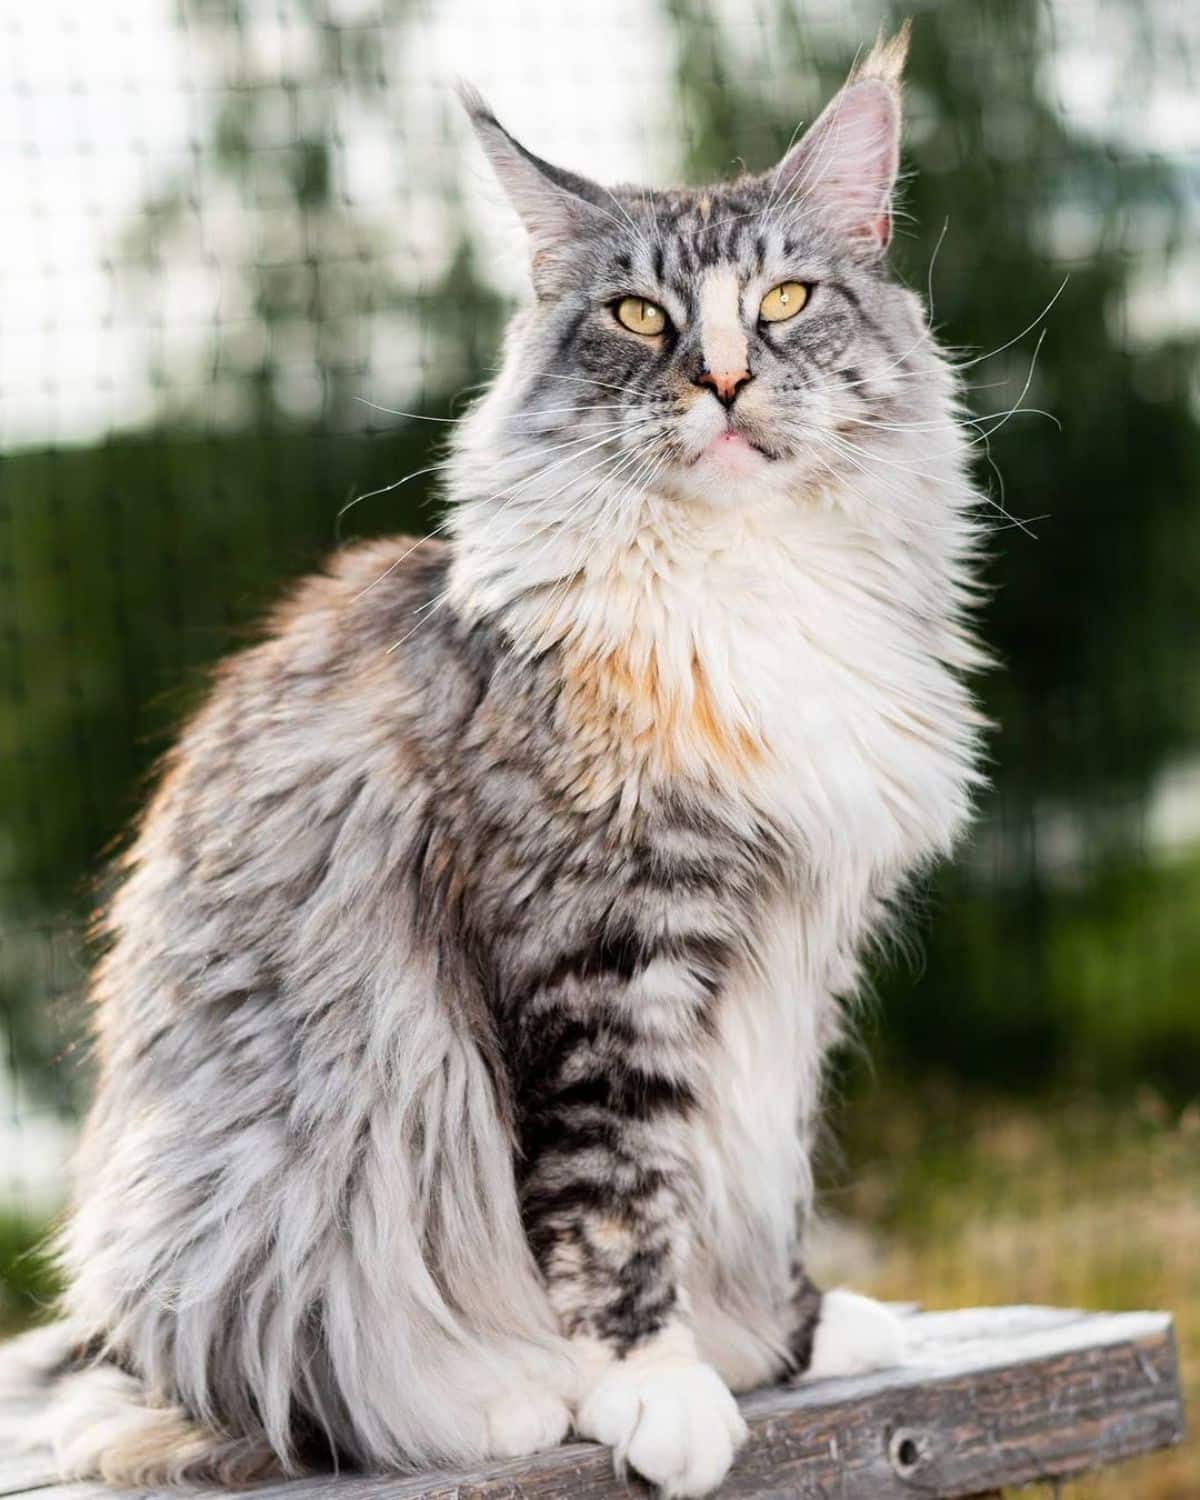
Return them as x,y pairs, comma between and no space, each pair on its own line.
1062,949
28,1279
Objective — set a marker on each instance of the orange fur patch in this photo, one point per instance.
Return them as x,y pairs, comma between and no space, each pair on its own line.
634,715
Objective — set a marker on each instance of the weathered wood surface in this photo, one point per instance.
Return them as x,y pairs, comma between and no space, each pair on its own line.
986,1398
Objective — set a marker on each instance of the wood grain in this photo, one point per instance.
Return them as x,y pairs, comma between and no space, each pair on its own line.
986,1398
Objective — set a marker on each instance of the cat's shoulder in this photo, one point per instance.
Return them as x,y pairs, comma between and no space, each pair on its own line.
362,582
334,630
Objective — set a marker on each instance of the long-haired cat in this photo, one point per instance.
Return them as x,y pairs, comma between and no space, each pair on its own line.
461,1029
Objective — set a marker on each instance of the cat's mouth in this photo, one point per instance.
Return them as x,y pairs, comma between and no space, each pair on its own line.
733,443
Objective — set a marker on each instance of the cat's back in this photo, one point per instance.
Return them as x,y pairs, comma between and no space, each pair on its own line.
375,607
359,657
298,789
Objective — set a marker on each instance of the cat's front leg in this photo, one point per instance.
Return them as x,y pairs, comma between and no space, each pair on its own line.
607,1197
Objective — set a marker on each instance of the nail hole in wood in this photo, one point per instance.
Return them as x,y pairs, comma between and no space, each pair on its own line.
908,1451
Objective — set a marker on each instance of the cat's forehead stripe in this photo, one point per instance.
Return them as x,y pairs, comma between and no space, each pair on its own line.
722,334
683,240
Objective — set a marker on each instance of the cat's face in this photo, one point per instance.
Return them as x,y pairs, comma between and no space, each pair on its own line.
732,344
716,344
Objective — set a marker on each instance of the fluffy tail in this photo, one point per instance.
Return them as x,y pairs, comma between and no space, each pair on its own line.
94,1421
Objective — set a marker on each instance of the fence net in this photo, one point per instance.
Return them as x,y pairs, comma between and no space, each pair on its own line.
243,238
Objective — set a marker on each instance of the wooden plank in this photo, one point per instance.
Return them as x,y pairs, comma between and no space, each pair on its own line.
23,1472
88,1491
986,1399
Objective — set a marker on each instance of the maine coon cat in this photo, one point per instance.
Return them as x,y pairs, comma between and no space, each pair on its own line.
461,1030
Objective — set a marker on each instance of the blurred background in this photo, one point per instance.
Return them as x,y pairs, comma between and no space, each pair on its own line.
241,238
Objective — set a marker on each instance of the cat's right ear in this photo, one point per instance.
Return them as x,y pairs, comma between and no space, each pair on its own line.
557,207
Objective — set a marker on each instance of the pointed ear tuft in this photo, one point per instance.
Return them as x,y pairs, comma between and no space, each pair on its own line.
556,206
479,111
886,58
845,166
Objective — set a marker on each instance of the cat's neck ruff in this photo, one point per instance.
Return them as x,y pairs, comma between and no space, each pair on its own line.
809,664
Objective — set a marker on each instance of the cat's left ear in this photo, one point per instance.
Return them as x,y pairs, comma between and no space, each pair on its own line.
845,165
557,207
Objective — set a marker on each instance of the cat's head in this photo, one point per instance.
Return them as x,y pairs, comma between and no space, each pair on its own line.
715,343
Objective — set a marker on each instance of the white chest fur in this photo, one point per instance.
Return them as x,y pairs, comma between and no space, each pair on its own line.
806,662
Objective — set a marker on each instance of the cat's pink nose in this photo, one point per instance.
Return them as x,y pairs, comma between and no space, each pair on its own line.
725,384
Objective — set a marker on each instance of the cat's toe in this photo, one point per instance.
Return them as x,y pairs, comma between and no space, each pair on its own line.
854,1335
671,1419
526,1421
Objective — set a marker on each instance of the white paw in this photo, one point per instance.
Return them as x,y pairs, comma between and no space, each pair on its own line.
670,1418
526,1421
854,1335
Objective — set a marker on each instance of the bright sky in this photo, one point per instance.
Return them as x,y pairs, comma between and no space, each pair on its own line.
98,102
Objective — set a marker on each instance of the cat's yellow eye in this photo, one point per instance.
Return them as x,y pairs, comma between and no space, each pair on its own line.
783,302
640,316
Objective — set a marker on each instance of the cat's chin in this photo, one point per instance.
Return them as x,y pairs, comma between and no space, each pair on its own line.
730,475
